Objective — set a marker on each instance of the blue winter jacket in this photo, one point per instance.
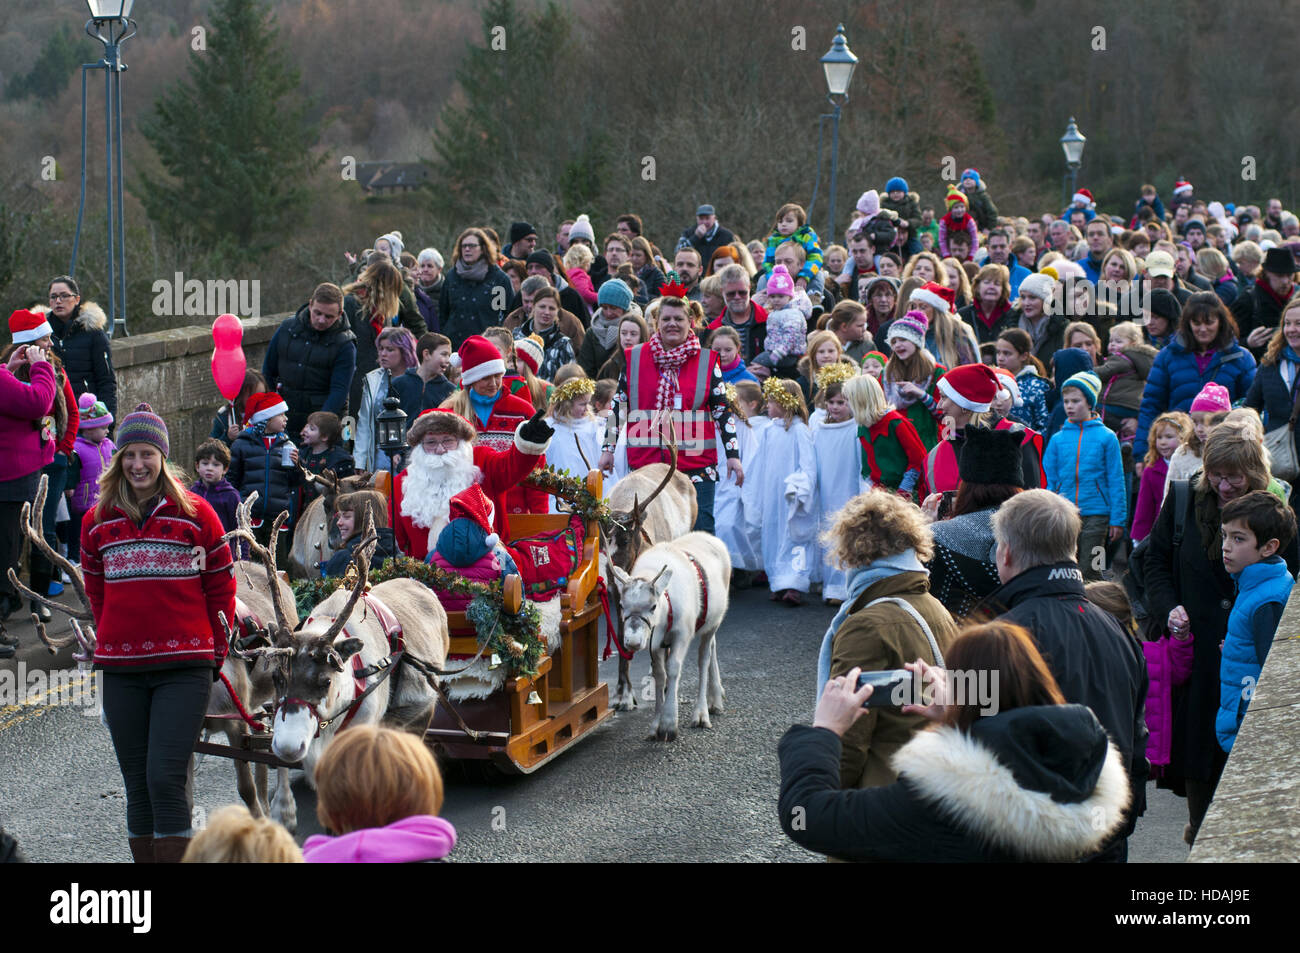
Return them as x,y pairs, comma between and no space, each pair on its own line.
1174,382
1262,592
1083,465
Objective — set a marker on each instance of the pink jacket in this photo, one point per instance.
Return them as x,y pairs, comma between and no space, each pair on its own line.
416,839
21,407
1151,492
486,570
581,282
1169,663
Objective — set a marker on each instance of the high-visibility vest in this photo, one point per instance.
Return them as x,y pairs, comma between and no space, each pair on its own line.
648,429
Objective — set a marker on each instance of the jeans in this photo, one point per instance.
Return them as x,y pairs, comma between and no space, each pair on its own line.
154,719
705,490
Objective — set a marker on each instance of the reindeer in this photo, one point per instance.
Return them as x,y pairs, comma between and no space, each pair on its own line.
316,537
259,598
668,512
677,591
319,692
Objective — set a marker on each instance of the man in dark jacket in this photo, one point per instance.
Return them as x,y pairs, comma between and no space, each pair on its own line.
707,236
1258,309
81,344
1095,662
311,358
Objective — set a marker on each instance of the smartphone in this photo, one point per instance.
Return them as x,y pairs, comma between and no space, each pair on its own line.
892,688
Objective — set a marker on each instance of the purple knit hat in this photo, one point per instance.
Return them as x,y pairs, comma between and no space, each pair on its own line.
142,425
1212,399
93,412
911,327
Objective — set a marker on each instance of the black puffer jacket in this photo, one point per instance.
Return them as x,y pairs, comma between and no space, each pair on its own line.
86,353
1095,662
1255,307
311,369
254,467
470,307
963,797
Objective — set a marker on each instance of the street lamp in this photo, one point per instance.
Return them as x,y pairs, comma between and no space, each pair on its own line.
1072,145
838,64
110,22
390,429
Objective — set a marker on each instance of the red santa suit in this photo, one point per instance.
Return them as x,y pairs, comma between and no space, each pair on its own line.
496,471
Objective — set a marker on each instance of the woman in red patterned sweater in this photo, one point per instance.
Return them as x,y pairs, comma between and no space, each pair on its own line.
157,572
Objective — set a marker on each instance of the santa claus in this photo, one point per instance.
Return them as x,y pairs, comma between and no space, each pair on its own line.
444,461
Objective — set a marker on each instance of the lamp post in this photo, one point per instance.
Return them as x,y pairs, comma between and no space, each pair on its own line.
838,65
1072,145
390,431
110,22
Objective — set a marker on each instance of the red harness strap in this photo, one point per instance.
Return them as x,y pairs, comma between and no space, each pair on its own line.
396,643
704,597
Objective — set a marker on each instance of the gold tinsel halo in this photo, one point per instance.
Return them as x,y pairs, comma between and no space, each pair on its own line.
774,390
836,373
572,388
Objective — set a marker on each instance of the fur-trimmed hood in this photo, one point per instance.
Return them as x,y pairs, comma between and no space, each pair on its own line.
90,317
1043,782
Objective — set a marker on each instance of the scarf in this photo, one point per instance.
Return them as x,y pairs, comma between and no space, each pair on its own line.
859,581
475,272
668,363
1036,335
483,406
606,330
1262,284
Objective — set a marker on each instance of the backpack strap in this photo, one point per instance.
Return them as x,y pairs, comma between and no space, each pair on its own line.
1180,488
920,620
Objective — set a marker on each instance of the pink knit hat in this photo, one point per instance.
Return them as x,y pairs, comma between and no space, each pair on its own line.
1212,398
780,282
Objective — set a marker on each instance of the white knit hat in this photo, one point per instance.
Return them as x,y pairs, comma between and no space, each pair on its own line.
1038,285
582,229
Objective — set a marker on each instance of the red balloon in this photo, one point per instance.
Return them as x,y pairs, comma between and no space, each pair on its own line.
228,361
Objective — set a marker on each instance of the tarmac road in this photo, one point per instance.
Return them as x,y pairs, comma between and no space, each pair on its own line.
709,796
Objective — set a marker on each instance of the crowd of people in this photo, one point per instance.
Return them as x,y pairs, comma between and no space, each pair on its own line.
1017,446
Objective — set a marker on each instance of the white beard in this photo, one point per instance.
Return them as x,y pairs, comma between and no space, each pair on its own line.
431,481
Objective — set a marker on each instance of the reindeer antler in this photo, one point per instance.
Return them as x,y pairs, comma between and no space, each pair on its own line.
244,531
639,509
361,560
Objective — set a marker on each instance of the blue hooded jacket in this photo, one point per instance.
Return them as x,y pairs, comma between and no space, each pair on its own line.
1083,465
1262,592
1175,380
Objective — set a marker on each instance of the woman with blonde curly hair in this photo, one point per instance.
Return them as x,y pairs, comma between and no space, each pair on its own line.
927,266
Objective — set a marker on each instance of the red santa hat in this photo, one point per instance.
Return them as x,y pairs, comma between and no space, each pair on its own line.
478,358
971,386
1083,198
1182,186
473,504
1009,386
441,421
28,326
936,296
259,408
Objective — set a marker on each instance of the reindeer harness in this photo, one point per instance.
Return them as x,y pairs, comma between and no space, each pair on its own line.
704,602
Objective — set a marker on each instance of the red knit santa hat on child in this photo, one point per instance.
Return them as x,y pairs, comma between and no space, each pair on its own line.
28,326
259,408
472,503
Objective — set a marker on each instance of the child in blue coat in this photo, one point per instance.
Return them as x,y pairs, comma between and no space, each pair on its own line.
1083,464
1255,527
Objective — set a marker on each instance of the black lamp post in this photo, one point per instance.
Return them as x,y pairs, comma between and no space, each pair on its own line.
838,64
1072,145
110,22
390,429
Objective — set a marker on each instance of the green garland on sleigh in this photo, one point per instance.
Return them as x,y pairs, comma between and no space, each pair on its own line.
515,639
571,489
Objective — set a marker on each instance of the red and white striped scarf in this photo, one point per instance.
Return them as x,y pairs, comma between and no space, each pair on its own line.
669,363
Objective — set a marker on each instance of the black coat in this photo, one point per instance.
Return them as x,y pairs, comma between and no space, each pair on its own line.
358,319
336,459
254,467
960,797
385,548
1255,308
1270,396
1095,662
1191,579
706,246
470,307
311,369
86,353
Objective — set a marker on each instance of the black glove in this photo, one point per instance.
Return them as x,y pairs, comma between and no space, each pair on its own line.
537,430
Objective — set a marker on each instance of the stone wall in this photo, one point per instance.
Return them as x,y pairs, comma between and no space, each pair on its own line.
1253,816
172,371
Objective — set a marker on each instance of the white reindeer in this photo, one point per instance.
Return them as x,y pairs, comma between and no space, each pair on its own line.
678,591
317,680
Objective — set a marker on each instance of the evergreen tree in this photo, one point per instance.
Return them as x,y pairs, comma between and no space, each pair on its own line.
54,68
235,138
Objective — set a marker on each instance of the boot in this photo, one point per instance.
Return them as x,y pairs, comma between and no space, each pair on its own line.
141,849
169,850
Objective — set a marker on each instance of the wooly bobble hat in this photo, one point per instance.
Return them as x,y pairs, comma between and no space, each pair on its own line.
911,327
972,174
93,412
394,240
955,196
779,282
1041,286
142,425
478,358
531,352
938,296
441,421
991,457
896,184
971,387
1212,399
1087,383
582,229
259,408
28,326
615,292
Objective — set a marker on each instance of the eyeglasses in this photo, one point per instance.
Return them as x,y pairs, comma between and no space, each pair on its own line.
1236,481
468,246
443,443
735,294
62,297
